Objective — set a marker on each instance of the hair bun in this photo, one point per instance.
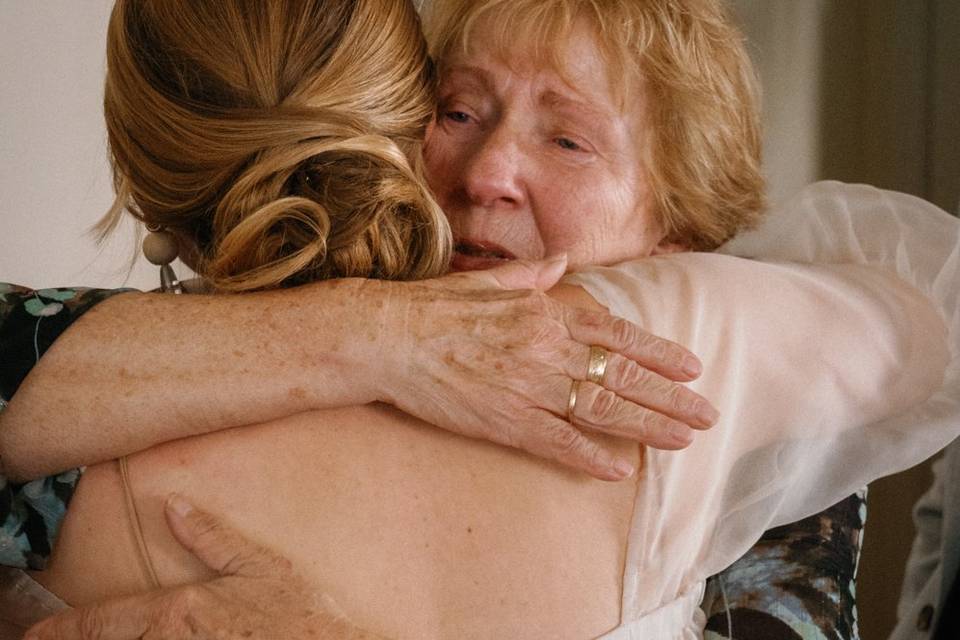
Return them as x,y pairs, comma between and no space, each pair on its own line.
274,139
333,208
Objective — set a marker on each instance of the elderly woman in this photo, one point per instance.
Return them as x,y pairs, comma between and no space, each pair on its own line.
680,527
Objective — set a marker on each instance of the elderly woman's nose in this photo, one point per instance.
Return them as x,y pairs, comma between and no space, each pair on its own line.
492,175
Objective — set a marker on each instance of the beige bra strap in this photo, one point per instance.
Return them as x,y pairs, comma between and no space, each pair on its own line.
137,530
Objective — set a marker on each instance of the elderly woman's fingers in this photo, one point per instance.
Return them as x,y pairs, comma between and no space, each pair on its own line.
617,335
122,619
218,546
258,595
523,274
557,440
601,410
648,389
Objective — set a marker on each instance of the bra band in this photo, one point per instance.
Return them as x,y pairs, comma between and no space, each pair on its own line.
133,516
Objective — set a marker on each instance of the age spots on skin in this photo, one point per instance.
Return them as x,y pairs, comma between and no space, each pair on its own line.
297,393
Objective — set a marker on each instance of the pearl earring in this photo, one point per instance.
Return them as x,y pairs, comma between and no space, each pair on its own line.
160,248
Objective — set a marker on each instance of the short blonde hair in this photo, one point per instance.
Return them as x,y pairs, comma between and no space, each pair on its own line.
282,138
703,160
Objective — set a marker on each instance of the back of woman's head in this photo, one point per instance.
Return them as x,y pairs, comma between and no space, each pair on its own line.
280,139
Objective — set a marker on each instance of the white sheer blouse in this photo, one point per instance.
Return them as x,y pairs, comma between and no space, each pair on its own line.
887,267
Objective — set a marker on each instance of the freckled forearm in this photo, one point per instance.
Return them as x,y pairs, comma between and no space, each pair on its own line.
141,369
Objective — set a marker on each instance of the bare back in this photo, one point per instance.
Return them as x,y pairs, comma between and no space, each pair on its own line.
413,531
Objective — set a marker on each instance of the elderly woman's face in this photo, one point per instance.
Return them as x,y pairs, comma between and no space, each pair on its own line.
529,161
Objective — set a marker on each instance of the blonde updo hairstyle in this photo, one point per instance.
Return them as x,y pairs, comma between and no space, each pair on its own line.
280,141
702,105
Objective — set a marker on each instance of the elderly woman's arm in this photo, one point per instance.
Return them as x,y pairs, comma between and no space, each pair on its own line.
31,321
489,362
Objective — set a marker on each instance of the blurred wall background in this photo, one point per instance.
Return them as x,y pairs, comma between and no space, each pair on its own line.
856,90
54,174
864,91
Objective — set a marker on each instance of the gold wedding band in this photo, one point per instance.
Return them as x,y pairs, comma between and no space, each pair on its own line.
572,399
597,365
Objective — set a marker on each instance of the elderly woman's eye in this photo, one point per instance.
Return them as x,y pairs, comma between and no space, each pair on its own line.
567,144
457,116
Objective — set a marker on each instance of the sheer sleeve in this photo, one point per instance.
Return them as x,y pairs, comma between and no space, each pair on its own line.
827,376
30,322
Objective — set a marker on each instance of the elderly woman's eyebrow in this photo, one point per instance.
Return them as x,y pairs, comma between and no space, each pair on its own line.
476,75
560,102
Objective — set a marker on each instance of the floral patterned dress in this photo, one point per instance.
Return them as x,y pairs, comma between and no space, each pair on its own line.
797,583
30,321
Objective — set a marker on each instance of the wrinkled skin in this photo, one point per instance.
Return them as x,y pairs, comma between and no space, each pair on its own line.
489,355
530,161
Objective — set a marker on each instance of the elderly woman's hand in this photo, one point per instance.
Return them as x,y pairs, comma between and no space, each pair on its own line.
489,355
258,596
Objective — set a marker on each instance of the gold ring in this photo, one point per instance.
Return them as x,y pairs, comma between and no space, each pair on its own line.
597,365
572,399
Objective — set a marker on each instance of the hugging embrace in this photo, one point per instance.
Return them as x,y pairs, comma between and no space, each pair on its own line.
601,408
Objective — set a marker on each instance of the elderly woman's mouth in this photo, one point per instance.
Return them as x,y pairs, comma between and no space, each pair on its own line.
470,255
